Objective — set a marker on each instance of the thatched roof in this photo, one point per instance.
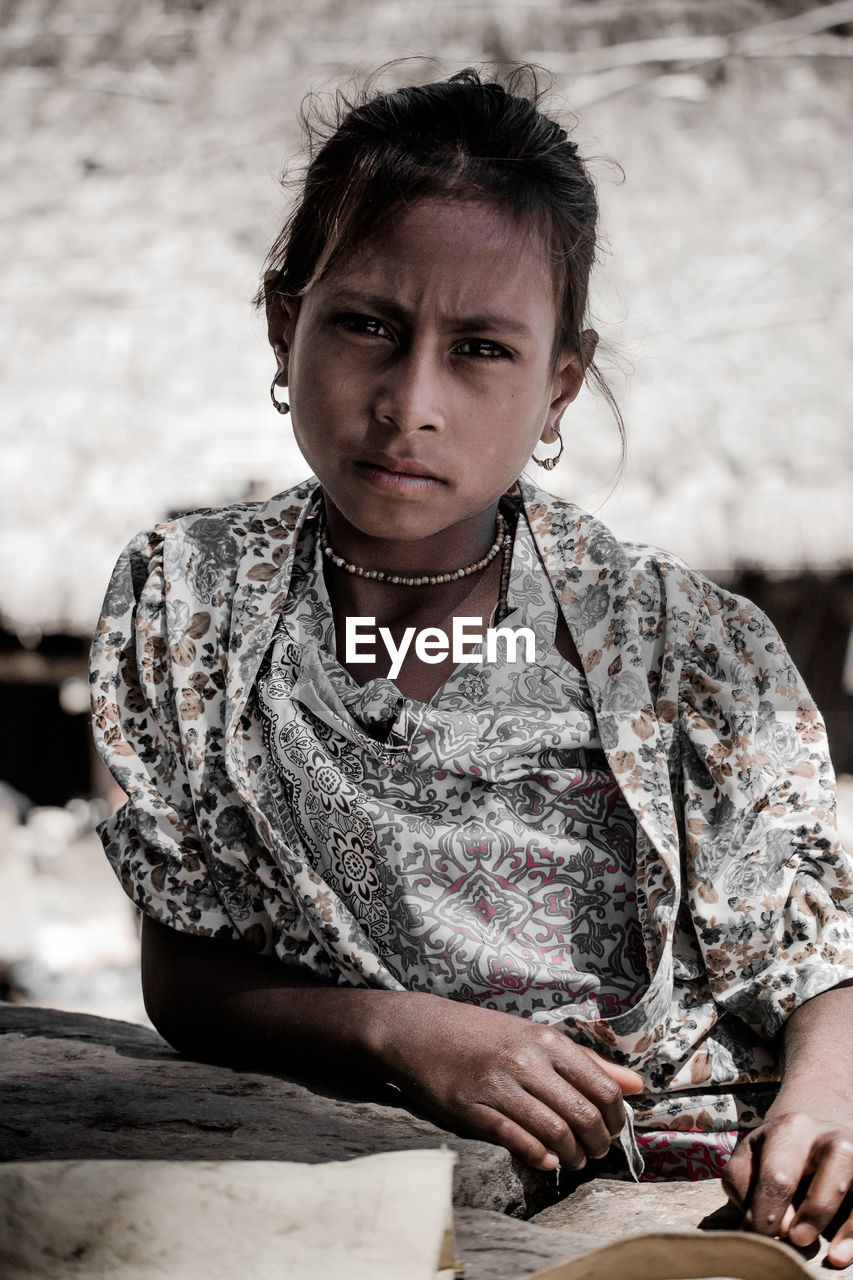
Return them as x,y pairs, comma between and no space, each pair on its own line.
134,378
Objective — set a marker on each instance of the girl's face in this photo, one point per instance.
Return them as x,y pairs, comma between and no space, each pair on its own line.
421,375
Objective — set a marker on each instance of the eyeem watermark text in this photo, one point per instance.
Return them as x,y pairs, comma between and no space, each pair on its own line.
432,644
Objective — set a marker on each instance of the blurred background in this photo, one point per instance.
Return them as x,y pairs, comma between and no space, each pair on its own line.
142,145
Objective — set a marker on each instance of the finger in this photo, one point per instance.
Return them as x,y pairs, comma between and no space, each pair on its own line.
581,1117
584,1073
628,1081
840,1252
740,1172
518,1135
554,1129
782,1161
833,1161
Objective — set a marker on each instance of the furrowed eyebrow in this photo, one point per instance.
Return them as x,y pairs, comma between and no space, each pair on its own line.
486,321
367,302
495,323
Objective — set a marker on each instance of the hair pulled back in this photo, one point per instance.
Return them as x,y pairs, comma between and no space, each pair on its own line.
463,138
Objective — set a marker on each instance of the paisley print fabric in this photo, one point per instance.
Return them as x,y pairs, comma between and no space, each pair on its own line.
480,839
689,1156
743,891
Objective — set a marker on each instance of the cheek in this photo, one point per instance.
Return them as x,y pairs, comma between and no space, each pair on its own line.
502,448
323,417
323,381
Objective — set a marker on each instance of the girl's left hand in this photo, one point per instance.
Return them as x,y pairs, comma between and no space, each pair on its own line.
811,1140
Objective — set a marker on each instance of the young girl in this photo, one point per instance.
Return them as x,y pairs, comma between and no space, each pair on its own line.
519,875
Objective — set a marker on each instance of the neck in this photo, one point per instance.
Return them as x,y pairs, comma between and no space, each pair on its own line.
445,551
424,604
395,607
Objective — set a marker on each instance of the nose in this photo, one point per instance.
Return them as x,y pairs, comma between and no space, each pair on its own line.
410,395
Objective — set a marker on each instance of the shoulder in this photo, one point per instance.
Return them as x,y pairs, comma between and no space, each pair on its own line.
715,623
617,587
221,534
587,551
197,555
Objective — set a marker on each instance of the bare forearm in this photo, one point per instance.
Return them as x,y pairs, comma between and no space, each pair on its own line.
807,1133
492,1074
218,999
817,1048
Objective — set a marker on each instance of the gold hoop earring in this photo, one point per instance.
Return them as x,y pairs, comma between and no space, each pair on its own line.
280,405
550,463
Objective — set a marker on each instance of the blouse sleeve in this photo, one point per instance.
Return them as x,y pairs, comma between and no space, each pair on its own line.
153,841
769,885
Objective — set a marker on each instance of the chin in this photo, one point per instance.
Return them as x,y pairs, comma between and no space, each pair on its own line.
385,524
391,519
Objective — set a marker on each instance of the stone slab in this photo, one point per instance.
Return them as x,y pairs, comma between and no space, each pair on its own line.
80,1087
611,1210
495,1247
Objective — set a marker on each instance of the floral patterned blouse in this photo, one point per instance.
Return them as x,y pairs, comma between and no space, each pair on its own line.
743,892
480,839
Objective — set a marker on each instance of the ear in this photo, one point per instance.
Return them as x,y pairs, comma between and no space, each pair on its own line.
568,380
281,317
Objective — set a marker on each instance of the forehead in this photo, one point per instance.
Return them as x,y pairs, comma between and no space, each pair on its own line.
458,257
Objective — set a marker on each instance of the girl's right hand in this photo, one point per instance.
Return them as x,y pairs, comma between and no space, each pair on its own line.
493,1075
501,1077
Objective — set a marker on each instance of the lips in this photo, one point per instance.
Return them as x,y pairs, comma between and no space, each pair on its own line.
399,466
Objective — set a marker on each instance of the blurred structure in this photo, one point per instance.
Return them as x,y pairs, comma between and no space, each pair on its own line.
143,142
67,935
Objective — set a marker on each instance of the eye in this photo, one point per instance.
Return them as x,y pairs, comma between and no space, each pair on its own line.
369,326
482,349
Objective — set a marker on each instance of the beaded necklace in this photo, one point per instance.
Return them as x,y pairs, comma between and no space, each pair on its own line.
424,580
501,609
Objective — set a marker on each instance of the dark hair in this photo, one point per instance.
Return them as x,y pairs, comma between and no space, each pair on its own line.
451,138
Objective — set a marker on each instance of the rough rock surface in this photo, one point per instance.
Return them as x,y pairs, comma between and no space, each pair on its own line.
612,1209
76,1086
609,1210
494,1247
80,1087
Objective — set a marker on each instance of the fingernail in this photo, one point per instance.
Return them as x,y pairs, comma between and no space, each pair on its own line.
550,1162
802,1233
841,1254
787,1220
